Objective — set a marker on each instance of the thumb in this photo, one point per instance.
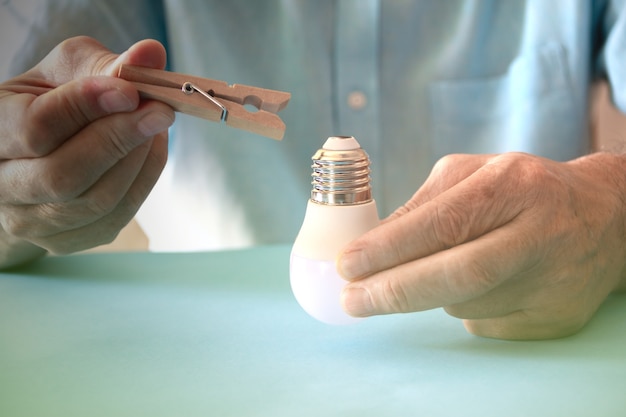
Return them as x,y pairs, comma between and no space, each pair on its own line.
83,56
147,53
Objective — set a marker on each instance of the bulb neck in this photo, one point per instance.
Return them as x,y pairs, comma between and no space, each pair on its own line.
341,173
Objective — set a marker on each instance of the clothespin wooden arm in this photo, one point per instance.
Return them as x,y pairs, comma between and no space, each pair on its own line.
167,87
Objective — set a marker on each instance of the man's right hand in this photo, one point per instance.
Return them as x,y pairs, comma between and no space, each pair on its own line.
79,152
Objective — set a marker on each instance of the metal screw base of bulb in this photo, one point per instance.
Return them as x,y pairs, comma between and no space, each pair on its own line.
341,175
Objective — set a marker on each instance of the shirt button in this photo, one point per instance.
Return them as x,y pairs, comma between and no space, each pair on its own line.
357,100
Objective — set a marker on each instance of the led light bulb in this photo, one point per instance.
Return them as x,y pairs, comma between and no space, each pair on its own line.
340,209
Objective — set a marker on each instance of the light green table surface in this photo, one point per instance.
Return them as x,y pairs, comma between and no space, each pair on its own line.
219,334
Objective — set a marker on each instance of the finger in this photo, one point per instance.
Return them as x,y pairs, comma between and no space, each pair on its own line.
446,173
98,201
82,160
525,325
446,278
84,57
34,126
482,202
105,229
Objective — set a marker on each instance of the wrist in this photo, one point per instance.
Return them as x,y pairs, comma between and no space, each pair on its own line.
614,166
621,183
611,169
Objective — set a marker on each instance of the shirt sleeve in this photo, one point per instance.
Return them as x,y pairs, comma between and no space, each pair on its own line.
612,57
115,23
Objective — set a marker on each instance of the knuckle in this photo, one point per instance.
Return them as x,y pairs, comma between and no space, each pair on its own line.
34,142
69,46
528,169
395,297
57,217
450,224
113,138
25,223
477,279
446,163
80,105
465,281
16,226
524,172
63,112
156,157
99,205
60,186
115,142
134,198
75,104
78,51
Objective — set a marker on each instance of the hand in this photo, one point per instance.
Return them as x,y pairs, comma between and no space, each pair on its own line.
519,246
79,153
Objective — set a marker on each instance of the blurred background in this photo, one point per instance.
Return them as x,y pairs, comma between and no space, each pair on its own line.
607,123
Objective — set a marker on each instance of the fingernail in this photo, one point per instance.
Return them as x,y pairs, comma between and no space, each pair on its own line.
353,264
357,302
155,122
114,101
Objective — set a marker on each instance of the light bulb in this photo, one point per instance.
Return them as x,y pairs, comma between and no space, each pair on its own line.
340,209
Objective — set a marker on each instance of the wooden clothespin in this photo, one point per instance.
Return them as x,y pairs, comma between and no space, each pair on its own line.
211,99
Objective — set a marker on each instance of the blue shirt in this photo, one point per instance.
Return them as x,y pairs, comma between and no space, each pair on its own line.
411,80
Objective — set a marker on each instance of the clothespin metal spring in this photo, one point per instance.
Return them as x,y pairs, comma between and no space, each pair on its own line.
189,88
